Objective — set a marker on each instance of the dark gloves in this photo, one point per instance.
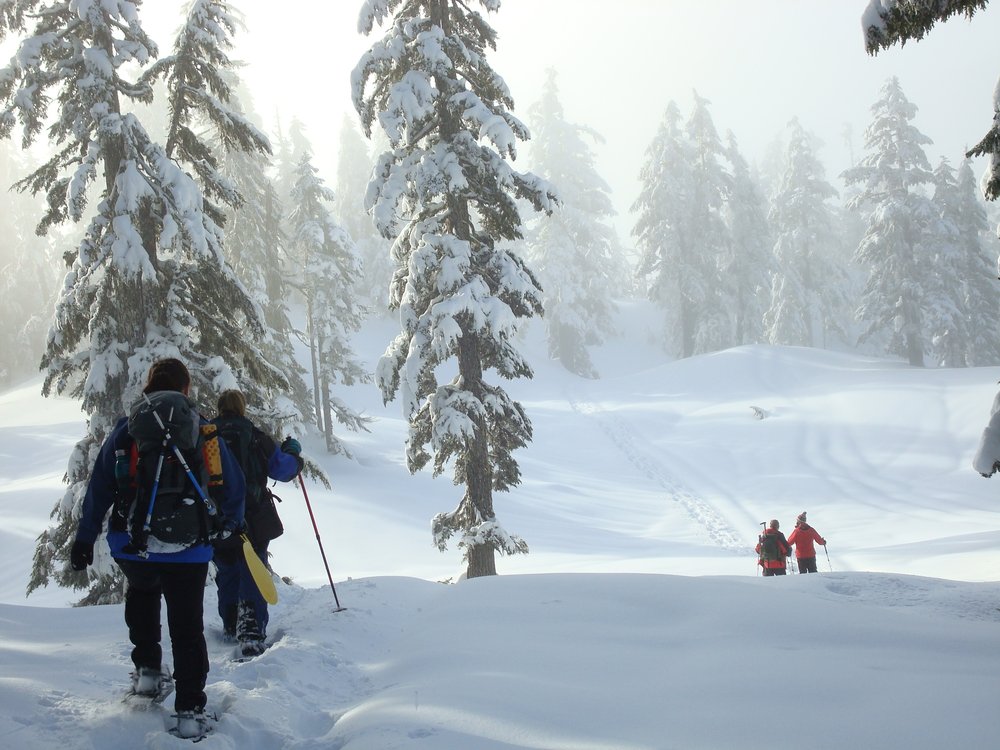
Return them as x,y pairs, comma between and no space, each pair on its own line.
81,555
293,447
230,538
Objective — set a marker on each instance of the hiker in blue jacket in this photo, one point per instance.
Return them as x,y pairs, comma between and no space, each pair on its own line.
176,572
241,605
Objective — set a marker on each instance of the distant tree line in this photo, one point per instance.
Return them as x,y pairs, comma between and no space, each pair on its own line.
734,261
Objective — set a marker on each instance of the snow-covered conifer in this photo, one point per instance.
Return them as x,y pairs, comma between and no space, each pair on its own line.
206,123
681,231
897,246
293,144
974,270
944,315
663,236
711,183
29,276
749,265
329,276
446,192
354,171
808,289
199,80
256,248
574,249
981,303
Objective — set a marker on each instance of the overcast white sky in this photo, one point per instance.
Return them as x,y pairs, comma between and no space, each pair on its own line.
759,62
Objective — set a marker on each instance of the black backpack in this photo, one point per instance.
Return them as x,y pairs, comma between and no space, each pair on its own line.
238,432
159,505
770,549
246,446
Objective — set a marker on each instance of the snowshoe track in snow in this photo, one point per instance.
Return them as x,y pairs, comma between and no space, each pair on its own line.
718,529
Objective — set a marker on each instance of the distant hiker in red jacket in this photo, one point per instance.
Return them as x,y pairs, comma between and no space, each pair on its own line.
804,537
772,549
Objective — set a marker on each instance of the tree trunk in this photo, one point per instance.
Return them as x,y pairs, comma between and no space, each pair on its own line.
327,411
915,350
482,561
272,273
314,361
687,328
479,469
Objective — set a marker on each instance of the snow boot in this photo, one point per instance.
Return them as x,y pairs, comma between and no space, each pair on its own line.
147,681
229,620
150,685
248,635
249,648
192,725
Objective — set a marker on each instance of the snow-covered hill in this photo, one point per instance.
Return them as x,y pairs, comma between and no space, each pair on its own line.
661,468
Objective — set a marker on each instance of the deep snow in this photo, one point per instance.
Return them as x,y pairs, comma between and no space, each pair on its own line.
638,620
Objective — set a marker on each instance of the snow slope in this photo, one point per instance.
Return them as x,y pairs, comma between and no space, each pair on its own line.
638,620
568,661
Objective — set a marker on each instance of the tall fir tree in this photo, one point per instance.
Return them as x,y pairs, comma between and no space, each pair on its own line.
29,277
446,192
897,248
711,327
808,289
945,319
889,23
663,236
980,301
257,250
749,266
230,165
200,87
574,249
354,170
148,280
329,275
293,144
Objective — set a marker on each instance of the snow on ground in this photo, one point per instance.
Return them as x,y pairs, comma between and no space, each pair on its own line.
638,620
568,661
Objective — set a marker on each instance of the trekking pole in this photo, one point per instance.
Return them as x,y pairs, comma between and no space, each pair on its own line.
139,547
147,524
319,541
760,543
830,564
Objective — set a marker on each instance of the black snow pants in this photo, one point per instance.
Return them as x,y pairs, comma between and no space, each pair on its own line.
182,586
807,564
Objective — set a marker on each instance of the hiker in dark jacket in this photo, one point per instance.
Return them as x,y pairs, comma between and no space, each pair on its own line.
804,537
175,573
772,550
241,606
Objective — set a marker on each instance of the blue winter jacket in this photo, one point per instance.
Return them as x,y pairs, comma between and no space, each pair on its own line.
101,492
283,466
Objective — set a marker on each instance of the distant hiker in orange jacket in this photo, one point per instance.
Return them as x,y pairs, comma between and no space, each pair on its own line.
804,537
772,549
